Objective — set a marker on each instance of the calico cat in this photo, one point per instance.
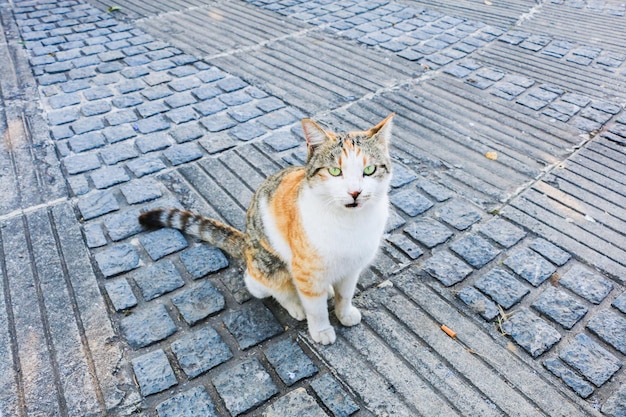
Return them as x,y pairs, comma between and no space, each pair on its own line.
310,230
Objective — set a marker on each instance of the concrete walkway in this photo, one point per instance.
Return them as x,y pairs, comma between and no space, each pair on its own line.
508,202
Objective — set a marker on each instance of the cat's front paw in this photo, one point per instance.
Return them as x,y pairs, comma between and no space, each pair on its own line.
350,317
325,337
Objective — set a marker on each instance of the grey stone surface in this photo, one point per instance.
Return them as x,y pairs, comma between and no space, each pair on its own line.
502,287
140,191
154,372
334,396
447,268
530,332
200,351
244,386
180,154
158,279
202,260
502,232
459,215
252,324
615,406
550,251
411,202
530,266
122,225
573,380
560,307
147,326
198,301
586,283
475,250
109,176
81,163
120,294
290,362
406,245
428,232
296,403
620,303
191,403
590,359
479,303
610,326
97,204
117,259
163,242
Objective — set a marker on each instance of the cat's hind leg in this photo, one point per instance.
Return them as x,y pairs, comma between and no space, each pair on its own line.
286,295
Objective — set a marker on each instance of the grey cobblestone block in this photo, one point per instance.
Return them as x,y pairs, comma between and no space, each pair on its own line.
109,176
475,250
216,122
154,372
402,176
555,254
180,100
97,204
94,235
428,232
163,242
141,191
117,259
118,152
134,72
146,165
191,403
62,100
118,133
248,131
231,84
156,93
281,141
126,101
145,327
531,333
296,403
199,302
180,154
206,92
411,202
88,141
203,260
151,108
158,279
478,303
212,106
152,124
122,225
457,71
58,67
121,117
96,108
436,191
502,287
446,268
530,266
595,115
406,245
200,351
565,108
573,380
502,232
217,143
181,115
586,283
590,359
244,386
576,99
615,406
87,124
333,396
290,362
245,112
251,324
152,142
60,117
120,294
560,307
185,84
620,303
610,326
97,93
459,215
50,79
236,98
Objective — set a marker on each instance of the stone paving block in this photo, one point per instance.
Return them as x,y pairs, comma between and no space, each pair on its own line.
180,154
586,283
163,242
277,119
252,324
203,260
194,402
146,165
158,279
117,259
115,134
290,362
406,245
530,332
554,254
459,215
119,152
186,132
411,202
60,101
120,294
446,268
478,303
475,250
209,107
86,142
200,351
63,116
615,406
145,327
428,232
281,141
123,225
244,386
152,124
236,98
530,266
560,307
121,117
198,302
94,235
502,287
217,143
402,176
334,396
502,232
141,191
97,204
152,142
109,176
620,303
590,359
154,372
573,380
436,191
610,326
296,403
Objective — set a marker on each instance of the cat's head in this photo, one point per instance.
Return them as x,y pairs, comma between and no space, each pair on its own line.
351,169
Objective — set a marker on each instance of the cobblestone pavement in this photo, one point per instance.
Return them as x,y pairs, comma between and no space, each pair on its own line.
508,206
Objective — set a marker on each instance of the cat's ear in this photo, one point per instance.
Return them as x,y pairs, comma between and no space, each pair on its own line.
382,131
314,133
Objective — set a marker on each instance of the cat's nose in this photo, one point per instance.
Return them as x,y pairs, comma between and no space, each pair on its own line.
354,194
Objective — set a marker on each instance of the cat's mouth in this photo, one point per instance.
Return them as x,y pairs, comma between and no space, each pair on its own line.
352,205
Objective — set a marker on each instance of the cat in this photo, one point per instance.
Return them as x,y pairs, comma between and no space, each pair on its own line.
310,230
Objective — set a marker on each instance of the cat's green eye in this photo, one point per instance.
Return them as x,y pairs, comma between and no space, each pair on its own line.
369,170
334,171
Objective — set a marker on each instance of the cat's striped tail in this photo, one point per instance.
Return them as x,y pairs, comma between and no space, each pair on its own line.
212,231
